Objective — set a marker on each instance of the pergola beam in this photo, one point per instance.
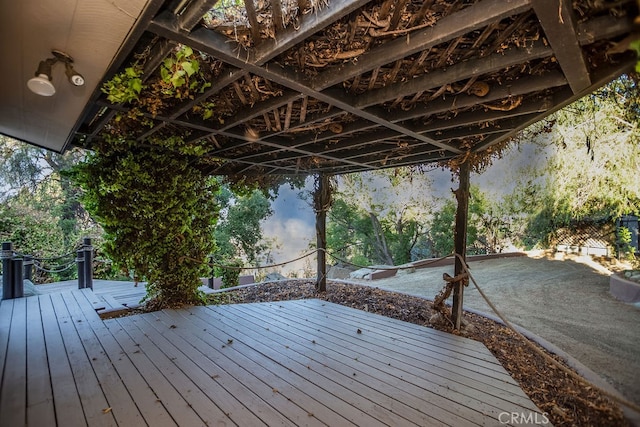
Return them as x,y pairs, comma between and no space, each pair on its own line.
566,97
310,24
460,242
561,31
588,32
518,88
211,44
472,18
455,73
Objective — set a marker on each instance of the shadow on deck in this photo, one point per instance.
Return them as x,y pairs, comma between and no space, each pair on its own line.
305,362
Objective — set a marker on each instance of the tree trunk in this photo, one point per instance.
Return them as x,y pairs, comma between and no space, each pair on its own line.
322,202
381,247
460,240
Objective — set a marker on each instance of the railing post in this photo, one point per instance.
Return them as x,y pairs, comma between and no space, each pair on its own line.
80,264
7,270
88,263
210,279
28,267
18,278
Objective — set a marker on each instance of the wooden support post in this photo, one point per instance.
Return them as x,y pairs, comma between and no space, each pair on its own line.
210,279
80,265
460,240
28,267
7,270
321,201
88,263
18,278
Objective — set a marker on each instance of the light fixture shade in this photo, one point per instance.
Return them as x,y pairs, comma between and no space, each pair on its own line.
41,85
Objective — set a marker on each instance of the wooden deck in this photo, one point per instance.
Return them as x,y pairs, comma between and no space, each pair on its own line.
289,363
107,294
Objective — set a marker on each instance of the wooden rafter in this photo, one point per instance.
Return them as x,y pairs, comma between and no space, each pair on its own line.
207,42
405,98
476,16
566,97
561,32
455,73
253,21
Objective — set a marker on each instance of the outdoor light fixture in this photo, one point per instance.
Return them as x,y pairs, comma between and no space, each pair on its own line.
41,83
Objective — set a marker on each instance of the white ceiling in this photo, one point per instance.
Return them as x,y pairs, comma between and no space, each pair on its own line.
91,31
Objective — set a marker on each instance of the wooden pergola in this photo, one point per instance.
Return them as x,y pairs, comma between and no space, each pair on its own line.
361,85
309,87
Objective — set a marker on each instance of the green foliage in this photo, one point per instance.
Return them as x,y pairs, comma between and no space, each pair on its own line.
40,212
238,234
206,110
624,243
480,218
31,230
635,45
379,216
157,211
124,87
182,75
441,230
592,149
229,276
349,233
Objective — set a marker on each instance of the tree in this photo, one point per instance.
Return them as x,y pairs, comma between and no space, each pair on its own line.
596,159
349,233
32,231
238,232
593,151
26,169
40,210
481,229
385,212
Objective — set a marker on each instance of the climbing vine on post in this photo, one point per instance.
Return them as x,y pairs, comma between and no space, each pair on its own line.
157,211
156,205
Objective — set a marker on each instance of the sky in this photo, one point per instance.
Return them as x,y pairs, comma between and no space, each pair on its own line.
292,224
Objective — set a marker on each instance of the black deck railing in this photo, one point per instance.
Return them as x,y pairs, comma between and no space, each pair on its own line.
17,267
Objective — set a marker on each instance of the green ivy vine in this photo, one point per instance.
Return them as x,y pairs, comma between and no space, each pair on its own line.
181,74
158,211
156,205
124,87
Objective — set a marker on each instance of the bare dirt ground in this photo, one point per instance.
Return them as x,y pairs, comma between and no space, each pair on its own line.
563,299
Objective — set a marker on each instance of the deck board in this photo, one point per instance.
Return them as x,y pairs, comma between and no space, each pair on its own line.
66,399
167,394
6,311
94,403
258,399
13,397
359,365
40,409
414,366
115,393
462,370
337,376
145,399
289,363
267,376
199,408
